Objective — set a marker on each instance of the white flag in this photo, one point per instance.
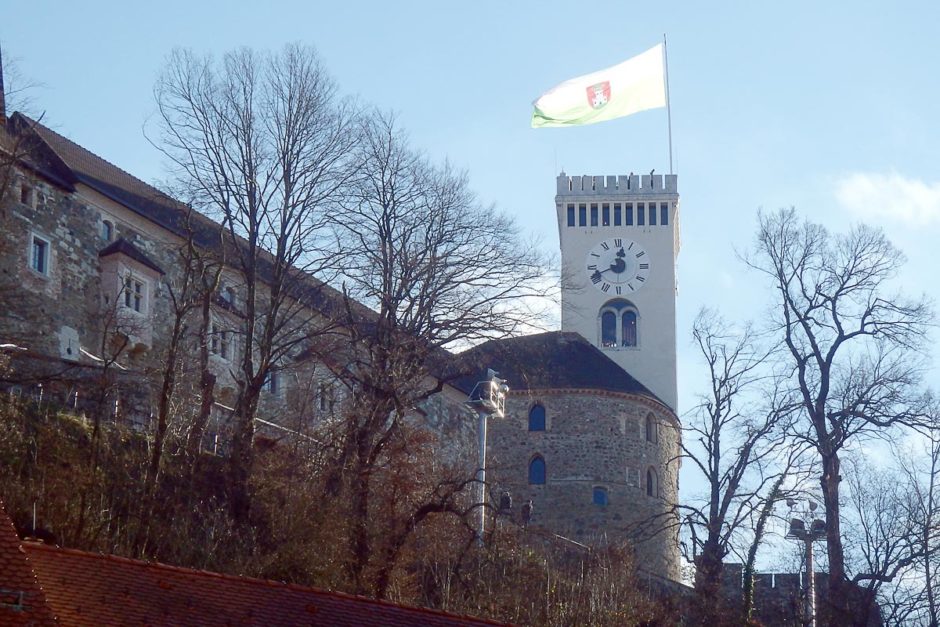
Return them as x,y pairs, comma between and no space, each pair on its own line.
635,85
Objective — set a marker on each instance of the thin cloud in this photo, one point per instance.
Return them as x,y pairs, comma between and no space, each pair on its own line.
875,197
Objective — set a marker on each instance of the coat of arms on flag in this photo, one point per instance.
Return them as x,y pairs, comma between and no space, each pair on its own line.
598,95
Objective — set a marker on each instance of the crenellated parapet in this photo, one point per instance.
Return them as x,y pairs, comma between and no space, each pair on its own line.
627,184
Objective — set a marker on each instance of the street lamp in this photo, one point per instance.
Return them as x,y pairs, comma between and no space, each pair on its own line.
488,398
807,534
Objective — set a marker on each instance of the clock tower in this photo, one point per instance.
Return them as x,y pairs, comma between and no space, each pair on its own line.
619,242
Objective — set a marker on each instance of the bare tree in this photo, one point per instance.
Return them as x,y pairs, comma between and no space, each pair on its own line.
435,269
735,439
852,347
262,142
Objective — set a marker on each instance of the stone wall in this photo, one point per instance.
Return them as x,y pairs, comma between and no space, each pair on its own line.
593,439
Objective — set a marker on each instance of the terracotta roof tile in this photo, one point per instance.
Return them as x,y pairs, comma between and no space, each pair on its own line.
22,601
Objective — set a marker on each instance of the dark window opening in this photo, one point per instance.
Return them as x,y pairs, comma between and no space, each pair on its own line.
605,214
640,214
650,483
629,328
537,471
593,215
537,418
609,329
629,211
617,212
570,215
600,496
664,214
652,214
39,260
582,215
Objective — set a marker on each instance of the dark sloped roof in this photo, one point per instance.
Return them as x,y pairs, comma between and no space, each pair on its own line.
553,360
124,247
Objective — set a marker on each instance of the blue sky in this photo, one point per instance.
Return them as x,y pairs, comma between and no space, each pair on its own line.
828,107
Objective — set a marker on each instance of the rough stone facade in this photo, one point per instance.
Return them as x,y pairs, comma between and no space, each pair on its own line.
594,439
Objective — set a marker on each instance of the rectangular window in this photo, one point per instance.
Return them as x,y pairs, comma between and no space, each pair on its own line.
26,194
629,210
664,213
224,345
220,341
652,214
39,255
582,215
640,214
134,294
605,214
593,214
272,382
617,213
570,215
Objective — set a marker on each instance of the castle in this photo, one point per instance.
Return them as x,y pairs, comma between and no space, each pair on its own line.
591,431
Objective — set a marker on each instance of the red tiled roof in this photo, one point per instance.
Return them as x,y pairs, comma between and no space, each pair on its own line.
21,599
89,589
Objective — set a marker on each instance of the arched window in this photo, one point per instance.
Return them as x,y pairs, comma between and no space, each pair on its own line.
537,418
600,495
652,481
537,470
629,328
618,320
650,428
608,329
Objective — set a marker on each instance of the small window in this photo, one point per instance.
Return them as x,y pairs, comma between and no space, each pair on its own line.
652,214
582,215
570,215
134,293
664,213
600,496
593,215
26,194
605,214
640,214
537,471
39,255
629,328
107,230
609,329
537,418
326,398
629,211
650,428
617,214
272,381
652,487
220,342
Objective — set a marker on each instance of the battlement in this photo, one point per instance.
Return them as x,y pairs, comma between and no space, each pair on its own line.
616,185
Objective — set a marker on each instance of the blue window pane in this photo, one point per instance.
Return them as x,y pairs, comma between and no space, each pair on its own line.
600,496
609,329
593,215
605,214
617,213
664,213
582,215
629,328
629,211
537,418
640,214
537,471
652,214
570,215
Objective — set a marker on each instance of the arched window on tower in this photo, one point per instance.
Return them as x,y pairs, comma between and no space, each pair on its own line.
618,321
629,328
537,470
650,428
652,482
537,418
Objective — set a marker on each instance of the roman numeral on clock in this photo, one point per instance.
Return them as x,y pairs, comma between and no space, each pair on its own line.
592,267
643,266
640,279
605,245
596,278
605,287
618,289
640,254
618,243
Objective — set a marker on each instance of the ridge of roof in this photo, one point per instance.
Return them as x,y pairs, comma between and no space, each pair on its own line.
124,247
551,360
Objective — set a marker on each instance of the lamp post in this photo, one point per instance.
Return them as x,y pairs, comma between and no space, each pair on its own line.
488,398
815,531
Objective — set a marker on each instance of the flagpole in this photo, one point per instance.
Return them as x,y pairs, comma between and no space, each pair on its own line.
668,106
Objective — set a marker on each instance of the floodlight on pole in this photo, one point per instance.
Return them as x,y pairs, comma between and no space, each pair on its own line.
815,531
488,398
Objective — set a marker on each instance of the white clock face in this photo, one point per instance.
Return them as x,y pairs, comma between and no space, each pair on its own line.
618,266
